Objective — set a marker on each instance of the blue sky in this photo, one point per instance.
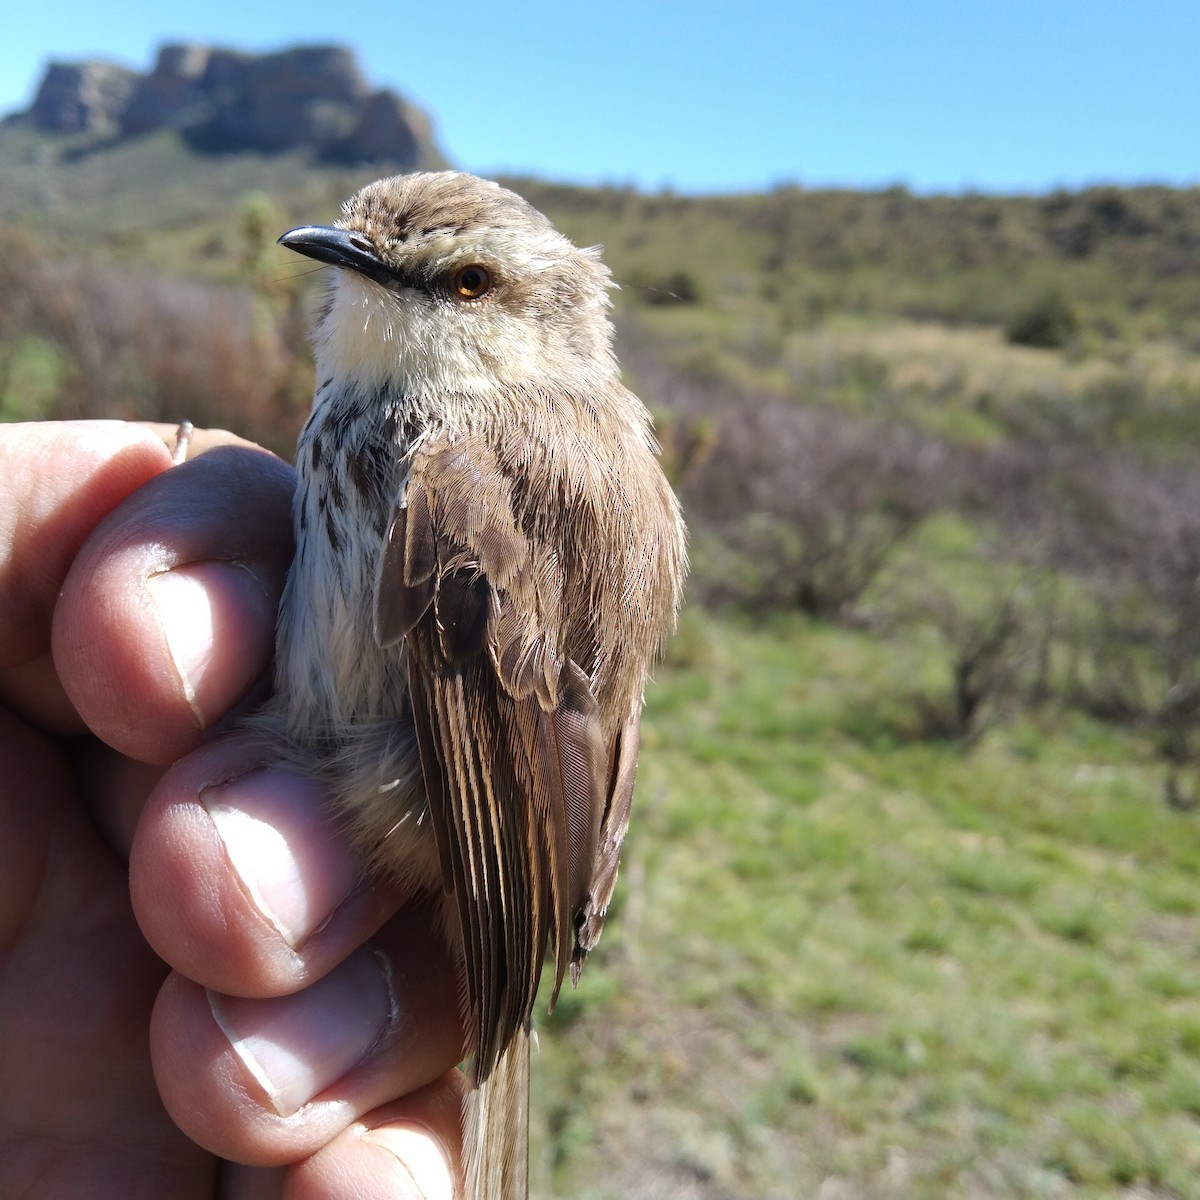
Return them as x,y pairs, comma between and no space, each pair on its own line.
941,95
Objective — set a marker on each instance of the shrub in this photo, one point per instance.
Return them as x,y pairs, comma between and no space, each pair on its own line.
792,507
1048,321
150,347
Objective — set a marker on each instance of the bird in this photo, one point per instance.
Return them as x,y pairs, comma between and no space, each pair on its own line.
489,559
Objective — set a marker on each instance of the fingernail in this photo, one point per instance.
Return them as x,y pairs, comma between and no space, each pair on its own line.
421,1154
294,864
296,1046
200,603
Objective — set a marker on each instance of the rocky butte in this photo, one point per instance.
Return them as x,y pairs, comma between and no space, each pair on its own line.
224,101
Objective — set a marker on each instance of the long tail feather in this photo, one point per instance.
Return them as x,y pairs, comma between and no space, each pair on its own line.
496,1128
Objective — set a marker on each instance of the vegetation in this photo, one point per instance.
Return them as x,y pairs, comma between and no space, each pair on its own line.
909,908
853,962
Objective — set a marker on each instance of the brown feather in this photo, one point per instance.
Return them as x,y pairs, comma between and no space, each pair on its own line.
612,836
520,767
531,797
408,564
496,1129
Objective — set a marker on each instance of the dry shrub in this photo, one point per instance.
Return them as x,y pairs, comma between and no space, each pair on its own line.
150,347
791,507
991,643
1125,527
1137,534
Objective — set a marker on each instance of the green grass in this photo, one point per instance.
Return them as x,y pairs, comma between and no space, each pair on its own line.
838,955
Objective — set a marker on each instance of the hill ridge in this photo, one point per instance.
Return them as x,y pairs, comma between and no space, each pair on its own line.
221,100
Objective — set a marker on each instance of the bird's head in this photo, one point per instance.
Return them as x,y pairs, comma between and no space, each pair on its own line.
449,284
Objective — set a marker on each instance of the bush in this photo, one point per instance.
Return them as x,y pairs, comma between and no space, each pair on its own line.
1048,322
792,507
149,347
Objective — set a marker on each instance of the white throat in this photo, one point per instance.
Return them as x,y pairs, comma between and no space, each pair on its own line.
416,345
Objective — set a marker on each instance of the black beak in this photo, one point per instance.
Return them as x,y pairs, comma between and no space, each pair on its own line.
339,248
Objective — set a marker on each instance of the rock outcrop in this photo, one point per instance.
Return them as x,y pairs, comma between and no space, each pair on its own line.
225,101
83,97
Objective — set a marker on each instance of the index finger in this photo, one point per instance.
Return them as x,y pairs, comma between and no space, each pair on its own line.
57,480
167,616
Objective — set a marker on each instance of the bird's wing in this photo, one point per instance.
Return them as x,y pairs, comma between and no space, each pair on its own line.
615,823
517,768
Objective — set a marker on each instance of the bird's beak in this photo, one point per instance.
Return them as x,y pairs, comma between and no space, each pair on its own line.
339,248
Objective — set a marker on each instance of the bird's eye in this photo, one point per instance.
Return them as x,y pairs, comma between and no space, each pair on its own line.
472,282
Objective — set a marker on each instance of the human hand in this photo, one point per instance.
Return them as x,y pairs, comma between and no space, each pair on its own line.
238,880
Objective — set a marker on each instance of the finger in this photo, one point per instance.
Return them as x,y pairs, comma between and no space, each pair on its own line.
271,1081
407,1150
167,616
57,480
242,880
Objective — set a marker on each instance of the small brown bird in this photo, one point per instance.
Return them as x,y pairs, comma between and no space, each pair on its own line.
488,559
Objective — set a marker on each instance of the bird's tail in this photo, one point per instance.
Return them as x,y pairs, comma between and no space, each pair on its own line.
496,1128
